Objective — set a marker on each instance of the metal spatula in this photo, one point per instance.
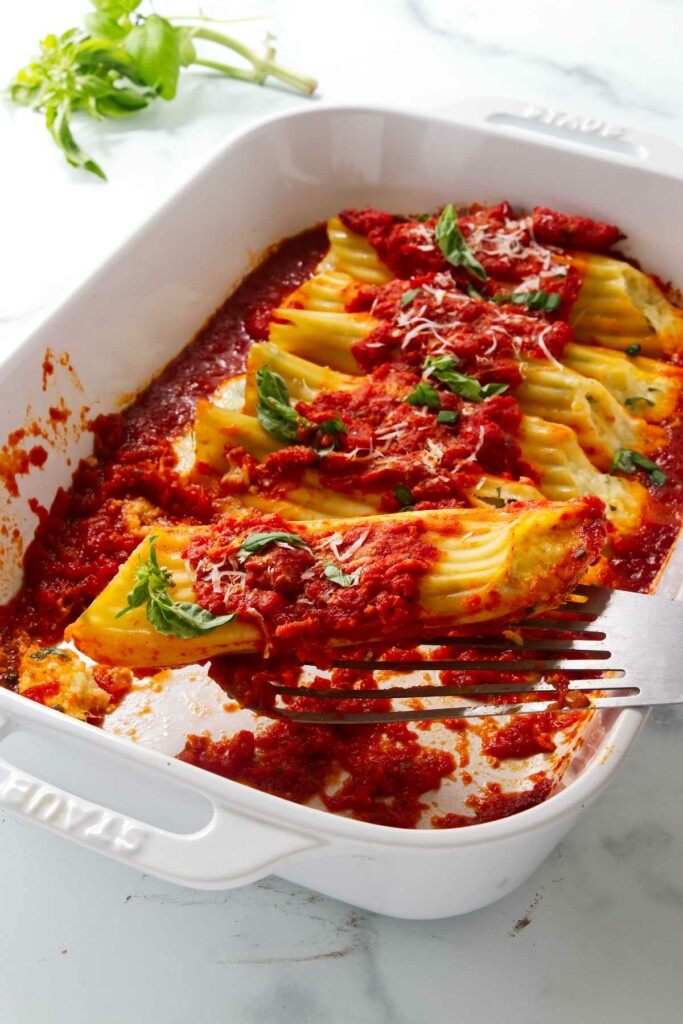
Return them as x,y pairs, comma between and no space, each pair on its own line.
617,648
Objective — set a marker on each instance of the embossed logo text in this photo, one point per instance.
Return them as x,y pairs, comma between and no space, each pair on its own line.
76,818
574,122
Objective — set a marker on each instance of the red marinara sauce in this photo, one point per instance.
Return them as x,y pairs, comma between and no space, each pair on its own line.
376,774
80,543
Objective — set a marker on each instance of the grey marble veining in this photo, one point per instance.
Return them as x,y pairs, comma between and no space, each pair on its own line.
597,931
578,41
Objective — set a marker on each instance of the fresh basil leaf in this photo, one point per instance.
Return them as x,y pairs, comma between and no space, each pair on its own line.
451,241
626,460
404,495
333,427
424,394
102,26
183,619
186,48
271,386
155,49
116,8
57,122
258,541
329,428
98,58
341,578
638,398
121,102
50,652
473,293
408,296
274,410
447,416
423,217
443,369
168,617
542,301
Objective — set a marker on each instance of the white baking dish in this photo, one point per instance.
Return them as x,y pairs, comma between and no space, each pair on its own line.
140,309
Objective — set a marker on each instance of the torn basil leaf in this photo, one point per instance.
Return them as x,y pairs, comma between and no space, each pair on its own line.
256,542
274,409
541,301
447,416
632,402
424,394
625,460
50,652
404,495
408,296
451,241
329,428
332,427
341,578
442,368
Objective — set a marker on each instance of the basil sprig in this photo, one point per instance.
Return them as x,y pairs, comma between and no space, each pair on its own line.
451,241
170,618
341,578
119,63
543,302
627,461
443,369
256,542
424,394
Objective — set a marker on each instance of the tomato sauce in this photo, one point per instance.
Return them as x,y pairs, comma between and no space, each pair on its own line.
285,590
496,804
386,770
80,544
508,247
377,774
386,442
486,339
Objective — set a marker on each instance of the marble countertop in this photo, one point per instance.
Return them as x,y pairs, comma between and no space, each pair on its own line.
597,932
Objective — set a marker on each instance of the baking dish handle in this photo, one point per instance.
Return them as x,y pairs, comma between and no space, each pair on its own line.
233,849
639,147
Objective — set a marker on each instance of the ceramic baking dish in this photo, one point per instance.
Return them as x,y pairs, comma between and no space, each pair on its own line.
163,816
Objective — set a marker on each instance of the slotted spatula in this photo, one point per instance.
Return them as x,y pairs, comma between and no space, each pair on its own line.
619,649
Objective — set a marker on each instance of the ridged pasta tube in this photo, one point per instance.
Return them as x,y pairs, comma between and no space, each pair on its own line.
619,306
483,566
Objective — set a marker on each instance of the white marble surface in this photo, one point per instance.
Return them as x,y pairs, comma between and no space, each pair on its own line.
597,933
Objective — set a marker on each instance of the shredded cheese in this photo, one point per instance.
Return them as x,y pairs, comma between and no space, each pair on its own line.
540,341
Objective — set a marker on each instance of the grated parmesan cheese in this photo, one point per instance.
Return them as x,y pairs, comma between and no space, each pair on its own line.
540,341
